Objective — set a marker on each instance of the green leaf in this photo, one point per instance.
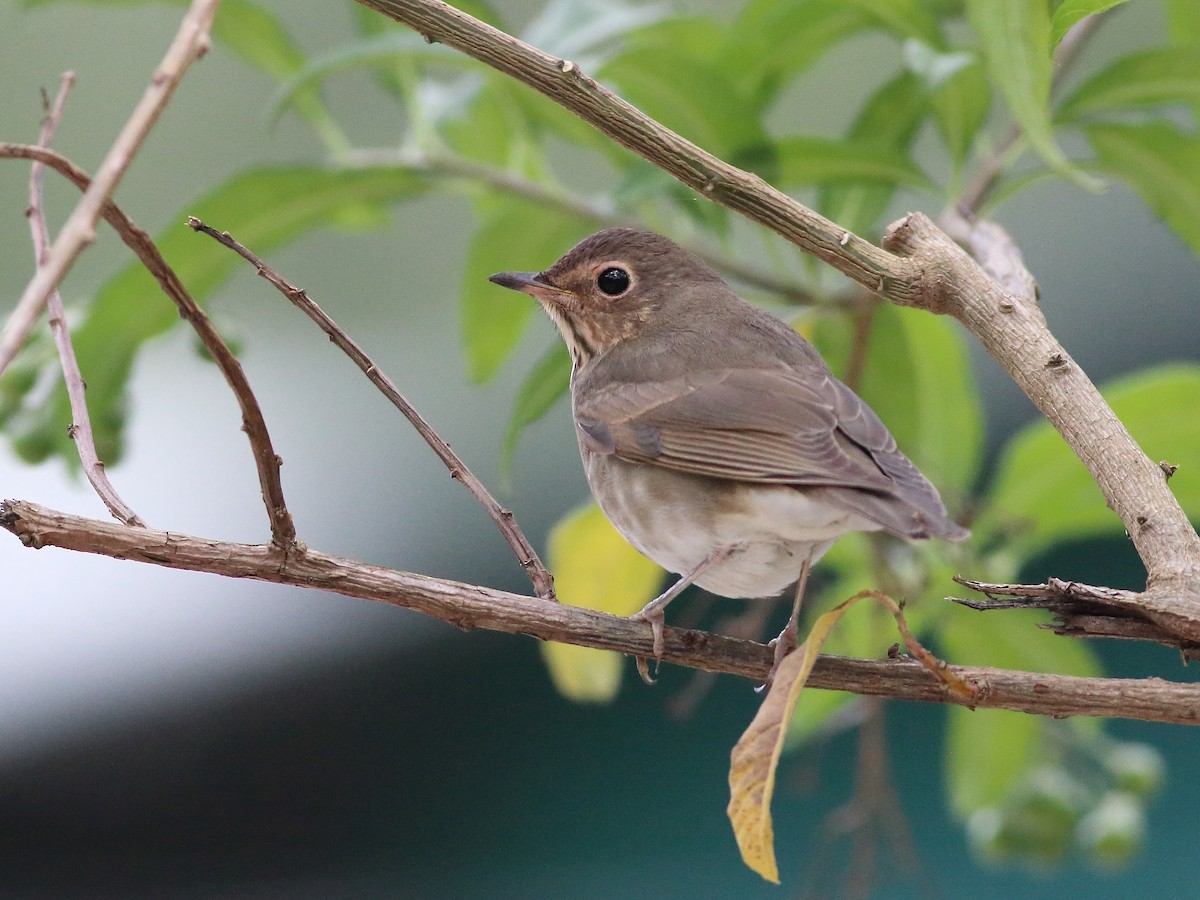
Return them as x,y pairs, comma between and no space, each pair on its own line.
1014,36
1071,11
587,32
960,108
514,235
1183,21
988,751
546,382
594,566
813,160
917,377
889,121
381,51
1161,163
905,18
772,41
1162,75
263,209
690,97
1042,485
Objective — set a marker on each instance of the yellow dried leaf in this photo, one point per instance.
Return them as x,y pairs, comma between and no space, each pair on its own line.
755,757
594,566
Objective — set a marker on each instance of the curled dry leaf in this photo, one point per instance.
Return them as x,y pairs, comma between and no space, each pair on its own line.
755,757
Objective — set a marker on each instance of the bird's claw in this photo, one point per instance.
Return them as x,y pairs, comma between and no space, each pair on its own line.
656,620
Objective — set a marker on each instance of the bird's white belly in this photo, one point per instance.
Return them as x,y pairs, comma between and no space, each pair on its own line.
677,520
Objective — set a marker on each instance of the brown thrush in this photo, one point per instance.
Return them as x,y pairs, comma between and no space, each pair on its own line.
714,437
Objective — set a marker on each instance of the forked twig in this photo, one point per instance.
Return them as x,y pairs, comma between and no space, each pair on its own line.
81,422
539,575
283,530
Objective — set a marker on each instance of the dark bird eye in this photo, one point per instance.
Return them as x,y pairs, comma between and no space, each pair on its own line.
613,281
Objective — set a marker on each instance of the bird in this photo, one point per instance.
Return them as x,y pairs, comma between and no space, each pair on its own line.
714,437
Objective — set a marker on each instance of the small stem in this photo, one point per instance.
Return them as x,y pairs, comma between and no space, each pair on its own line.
543,582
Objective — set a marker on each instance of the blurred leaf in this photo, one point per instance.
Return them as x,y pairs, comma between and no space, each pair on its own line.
1162,75
813,160
960,108
546,382
588,31
905,18
689,96
917,377
1014,36
772,41
380,52
594,566
990,751
511,236
1183,21
1161,163
1040,482
261,208
888,120
1071,11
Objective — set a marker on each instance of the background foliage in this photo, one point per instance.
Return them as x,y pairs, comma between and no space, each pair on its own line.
538,179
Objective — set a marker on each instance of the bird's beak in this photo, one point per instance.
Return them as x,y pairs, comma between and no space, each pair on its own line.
533,283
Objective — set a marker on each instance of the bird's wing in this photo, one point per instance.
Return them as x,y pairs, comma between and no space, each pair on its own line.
775,426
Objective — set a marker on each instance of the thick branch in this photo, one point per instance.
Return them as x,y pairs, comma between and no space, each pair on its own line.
1012,328
190,44
472,606
563,82
930,272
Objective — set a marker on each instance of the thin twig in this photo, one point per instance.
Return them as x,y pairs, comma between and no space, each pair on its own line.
600,212
267,462
191,42
539,575
81,422
992,167
475,606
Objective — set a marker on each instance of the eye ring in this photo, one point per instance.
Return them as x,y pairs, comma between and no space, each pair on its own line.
613,281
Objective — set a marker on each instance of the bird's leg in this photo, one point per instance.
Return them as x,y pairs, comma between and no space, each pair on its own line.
652,612
786,642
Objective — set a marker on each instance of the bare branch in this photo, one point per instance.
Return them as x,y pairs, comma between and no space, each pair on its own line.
543,582
191,42
283,530
473,606
81,422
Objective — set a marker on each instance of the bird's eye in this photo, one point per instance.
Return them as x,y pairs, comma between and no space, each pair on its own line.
613,281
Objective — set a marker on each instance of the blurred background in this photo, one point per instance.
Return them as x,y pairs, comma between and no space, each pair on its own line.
170,734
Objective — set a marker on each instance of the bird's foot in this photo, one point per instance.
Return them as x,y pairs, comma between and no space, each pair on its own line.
784,644
657,619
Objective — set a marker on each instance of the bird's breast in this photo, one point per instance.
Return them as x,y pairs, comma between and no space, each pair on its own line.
678,519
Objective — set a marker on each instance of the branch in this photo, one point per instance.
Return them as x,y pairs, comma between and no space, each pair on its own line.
600,212
283,530
543,581
81,422
925,269
474,606
191,42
